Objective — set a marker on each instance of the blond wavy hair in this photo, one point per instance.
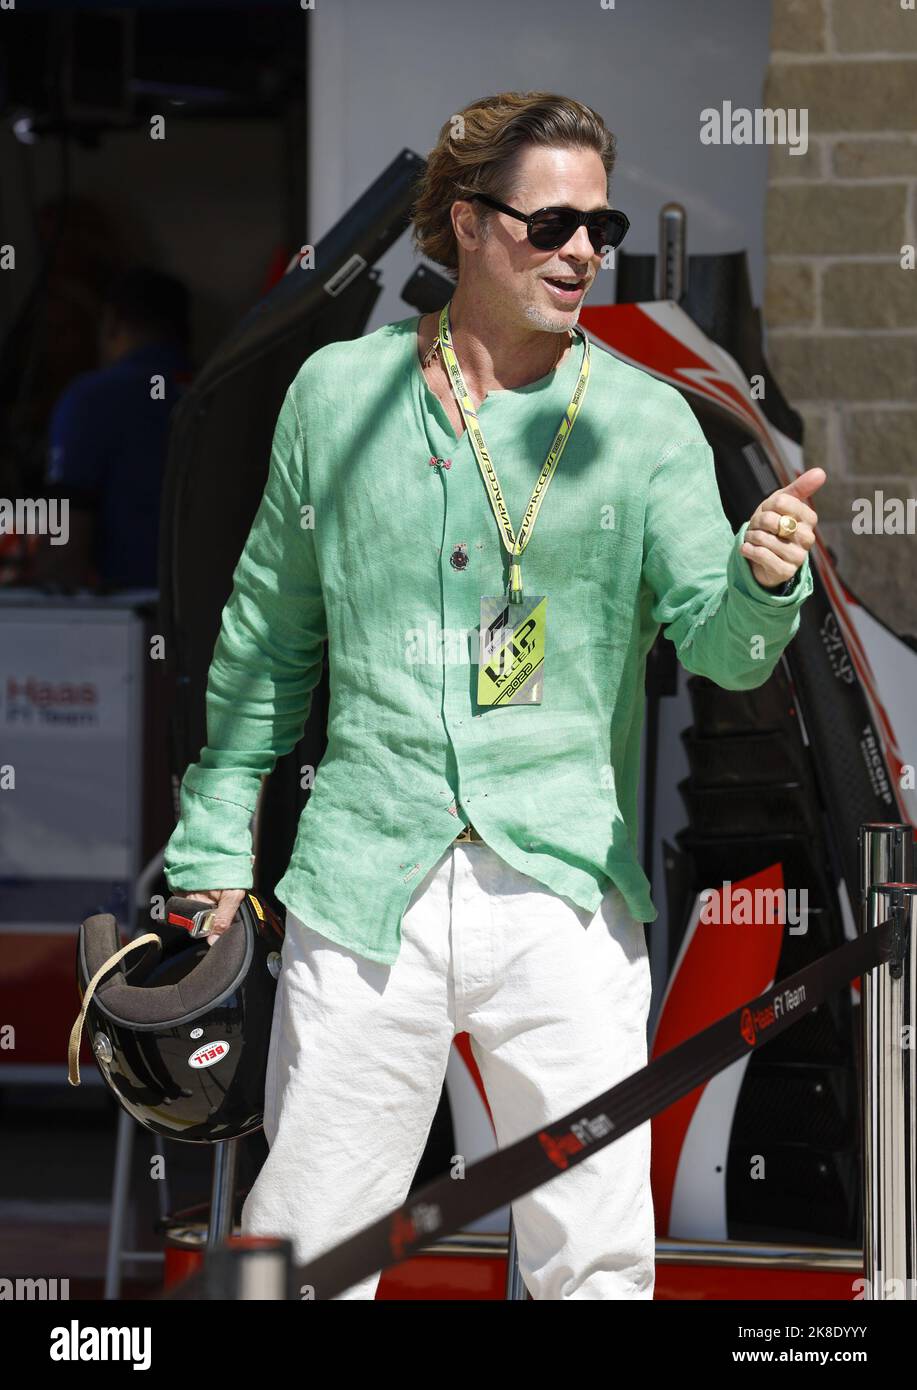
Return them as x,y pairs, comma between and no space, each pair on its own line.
478,153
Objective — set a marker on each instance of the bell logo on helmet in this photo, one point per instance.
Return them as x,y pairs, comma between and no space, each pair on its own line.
209,1054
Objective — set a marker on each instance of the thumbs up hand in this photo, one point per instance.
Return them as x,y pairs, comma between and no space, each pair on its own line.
774,547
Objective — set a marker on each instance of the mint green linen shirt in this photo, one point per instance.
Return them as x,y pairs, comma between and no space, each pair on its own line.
352,542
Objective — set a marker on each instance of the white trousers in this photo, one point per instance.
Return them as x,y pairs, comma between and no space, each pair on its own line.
555,1000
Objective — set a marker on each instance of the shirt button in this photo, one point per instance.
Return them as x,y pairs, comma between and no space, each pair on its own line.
459,557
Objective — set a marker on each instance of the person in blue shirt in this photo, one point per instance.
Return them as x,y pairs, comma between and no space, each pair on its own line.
109,434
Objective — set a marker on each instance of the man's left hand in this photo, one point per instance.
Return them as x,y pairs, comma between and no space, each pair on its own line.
775,559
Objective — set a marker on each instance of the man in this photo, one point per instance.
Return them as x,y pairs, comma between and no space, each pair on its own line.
109,436
530,936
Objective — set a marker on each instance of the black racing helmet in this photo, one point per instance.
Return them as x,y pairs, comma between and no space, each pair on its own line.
182,1036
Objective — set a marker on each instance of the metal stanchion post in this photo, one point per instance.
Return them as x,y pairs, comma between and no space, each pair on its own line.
241,1267
251,1267
222,1193
890,1131
889,1093
886,852
516,1292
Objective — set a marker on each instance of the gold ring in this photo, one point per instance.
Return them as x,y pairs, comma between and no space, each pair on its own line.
786,527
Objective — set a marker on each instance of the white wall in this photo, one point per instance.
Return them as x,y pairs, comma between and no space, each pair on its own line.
386,76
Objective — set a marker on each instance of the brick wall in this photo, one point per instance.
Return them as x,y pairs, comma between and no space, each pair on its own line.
840,311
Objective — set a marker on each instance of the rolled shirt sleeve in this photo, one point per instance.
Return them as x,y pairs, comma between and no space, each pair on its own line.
266,662
724,624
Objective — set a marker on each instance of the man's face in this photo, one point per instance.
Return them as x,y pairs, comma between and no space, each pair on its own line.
508,268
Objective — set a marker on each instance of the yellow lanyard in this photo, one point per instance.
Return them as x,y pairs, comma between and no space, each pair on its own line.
485,463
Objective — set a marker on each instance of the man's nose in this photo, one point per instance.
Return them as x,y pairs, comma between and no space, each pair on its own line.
580,246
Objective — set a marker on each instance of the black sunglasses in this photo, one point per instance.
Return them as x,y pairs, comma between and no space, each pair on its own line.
551,228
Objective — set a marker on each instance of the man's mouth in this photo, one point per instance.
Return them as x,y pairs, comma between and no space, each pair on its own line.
567,289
